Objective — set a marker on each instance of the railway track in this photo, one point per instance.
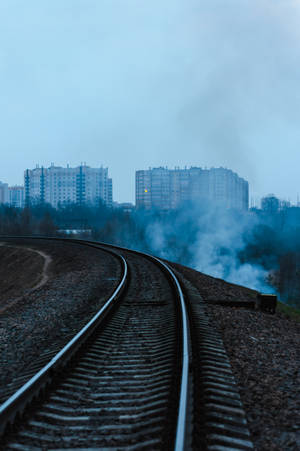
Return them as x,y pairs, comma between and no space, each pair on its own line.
139,375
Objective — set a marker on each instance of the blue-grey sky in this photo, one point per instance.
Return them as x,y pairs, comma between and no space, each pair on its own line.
130,84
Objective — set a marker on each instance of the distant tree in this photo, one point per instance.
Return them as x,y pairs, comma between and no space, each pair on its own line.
270,204
26,222
47,226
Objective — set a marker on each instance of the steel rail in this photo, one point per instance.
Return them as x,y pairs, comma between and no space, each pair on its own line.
181,430
181,433
181,423
21,398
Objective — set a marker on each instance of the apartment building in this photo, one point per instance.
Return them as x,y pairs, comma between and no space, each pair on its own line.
4,195
165,189
58,185
16,196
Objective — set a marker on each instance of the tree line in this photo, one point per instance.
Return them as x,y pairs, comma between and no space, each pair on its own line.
268,239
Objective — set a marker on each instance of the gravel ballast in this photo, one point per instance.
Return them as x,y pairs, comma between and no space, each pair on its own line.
80,280
263,349
264,353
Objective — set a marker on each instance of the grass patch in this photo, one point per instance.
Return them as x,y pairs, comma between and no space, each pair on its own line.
290,312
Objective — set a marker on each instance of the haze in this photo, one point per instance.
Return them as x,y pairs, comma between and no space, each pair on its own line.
131,84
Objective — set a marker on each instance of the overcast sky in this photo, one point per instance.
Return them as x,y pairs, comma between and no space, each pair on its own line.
130,84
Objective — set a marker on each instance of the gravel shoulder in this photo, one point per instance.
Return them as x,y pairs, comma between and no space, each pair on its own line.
263,348
79,281
20,270
265,354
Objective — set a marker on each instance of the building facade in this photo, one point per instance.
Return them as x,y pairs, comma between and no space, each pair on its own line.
16,196
57,185
4,195
166,189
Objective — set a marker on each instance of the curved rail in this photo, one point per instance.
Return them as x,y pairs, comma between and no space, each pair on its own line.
181,439
23,396
181,430
18,401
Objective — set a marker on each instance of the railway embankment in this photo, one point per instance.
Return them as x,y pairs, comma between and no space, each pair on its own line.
44,316
263,348
264,353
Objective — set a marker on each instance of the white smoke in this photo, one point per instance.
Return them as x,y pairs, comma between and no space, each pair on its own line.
220,239
209,240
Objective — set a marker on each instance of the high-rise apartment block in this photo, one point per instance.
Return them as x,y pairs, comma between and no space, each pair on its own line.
57,185
166,189
16,196
4,196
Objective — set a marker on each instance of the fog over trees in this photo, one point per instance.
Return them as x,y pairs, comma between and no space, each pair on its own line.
257,248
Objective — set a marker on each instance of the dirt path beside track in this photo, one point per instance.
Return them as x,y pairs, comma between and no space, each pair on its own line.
15,280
